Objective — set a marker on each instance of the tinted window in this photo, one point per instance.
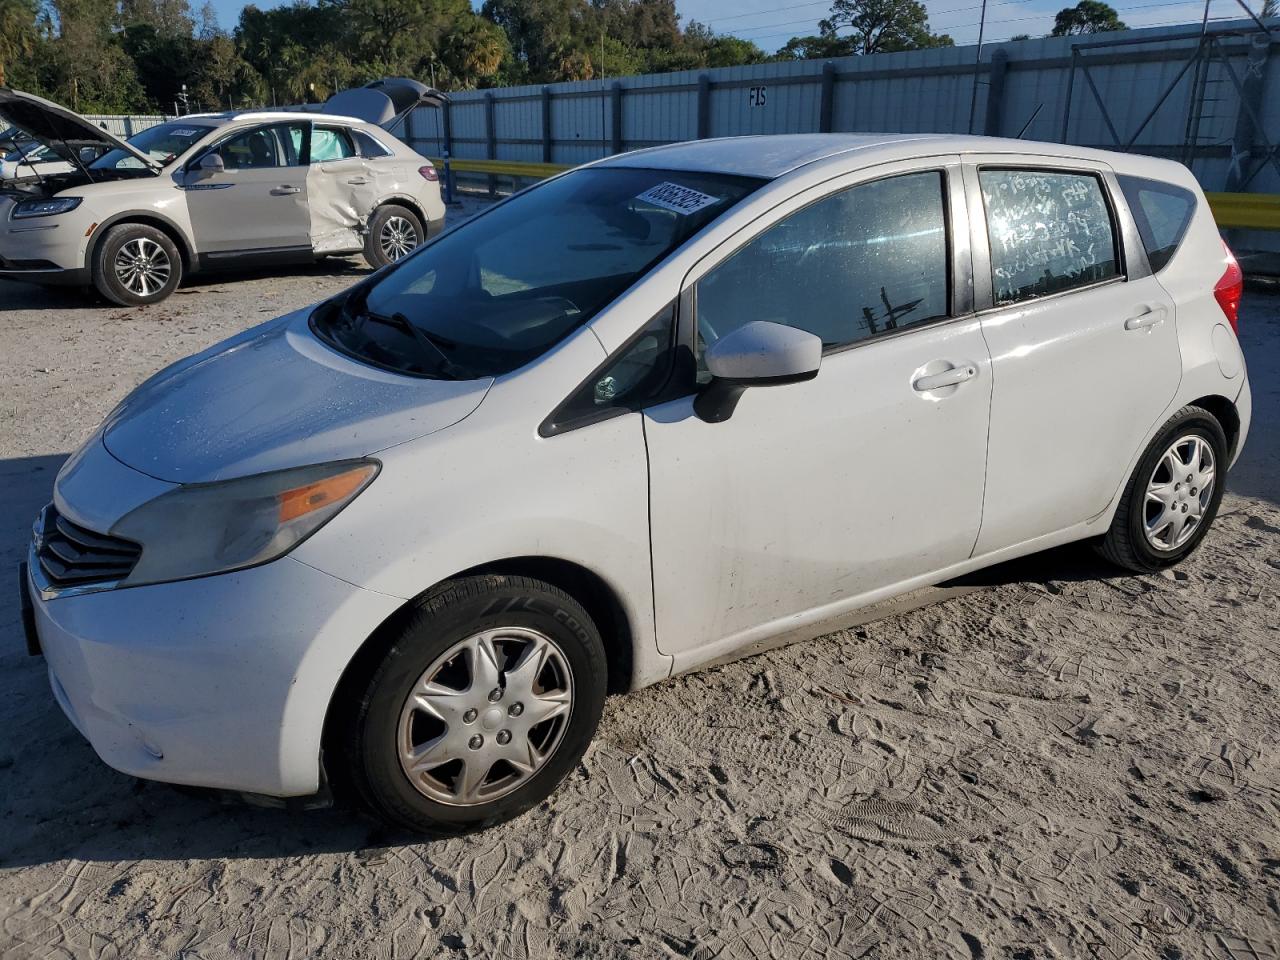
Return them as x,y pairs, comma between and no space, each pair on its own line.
500,289
368,146
328,143
251,150
864,261
293,143
1162,213
1049,232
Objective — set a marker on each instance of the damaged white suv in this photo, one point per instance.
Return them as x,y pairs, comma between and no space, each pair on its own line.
216,190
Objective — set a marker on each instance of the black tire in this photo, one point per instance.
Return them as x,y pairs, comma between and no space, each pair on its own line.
384,219
1126,543
371,728
123,244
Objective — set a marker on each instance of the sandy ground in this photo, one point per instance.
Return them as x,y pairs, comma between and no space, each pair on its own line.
1065,763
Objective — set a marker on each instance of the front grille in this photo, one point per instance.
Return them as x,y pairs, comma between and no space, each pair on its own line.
70,555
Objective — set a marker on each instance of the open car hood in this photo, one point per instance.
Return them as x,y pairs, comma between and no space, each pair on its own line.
53,125
383,102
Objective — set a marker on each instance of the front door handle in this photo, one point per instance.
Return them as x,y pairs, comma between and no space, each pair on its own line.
285,190
947,378
1152,318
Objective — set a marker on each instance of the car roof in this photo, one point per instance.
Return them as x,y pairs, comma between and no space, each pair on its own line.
776,155
227,116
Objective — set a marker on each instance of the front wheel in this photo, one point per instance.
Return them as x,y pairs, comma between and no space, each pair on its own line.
1171,499
394,232
488,695
136,264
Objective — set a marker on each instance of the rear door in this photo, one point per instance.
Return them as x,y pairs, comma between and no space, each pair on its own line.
1084,350
259,201
342,189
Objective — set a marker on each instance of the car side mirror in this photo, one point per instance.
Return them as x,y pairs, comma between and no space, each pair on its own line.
88,155
757,354
210,165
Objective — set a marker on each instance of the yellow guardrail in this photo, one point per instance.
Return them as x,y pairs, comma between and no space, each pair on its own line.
1251,211
502,168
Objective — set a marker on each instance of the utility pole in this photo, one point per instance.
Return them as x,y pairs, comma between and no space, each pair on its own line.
977,66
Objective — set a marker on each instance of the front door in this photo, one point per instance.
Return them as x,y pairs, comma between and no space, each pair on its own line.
1085,350
259,202
816,493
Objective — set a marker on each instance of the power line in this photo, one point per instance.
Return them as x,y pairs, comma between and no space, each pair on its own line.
747,33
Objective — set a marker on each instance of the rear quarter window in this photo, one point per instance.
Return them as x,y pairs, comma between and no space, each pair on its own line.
1050,231
1162,212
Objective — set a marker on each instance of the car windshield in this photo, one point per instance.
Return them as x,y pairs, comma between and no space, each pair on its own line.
502,289
163,143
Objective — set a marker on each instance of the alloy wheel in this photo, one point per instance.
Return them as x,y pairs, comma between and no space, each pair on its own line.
1179,493
142,266
397,238
485,716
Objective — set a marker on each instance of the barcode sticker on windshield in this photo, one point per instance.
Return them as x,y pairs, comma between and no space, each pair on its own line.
672,196
185,132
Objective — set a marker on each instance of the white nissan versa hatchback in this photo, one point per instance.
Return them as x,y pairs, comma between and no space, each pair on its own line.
407,540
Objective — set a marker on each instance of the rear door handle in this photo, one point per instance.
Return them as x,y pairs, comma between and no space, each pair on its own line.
357,181
947,378
1152,318
285,190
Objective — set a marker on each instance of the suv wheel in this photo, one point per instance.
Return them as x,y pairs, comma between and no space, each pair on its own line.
394,232
1173,495
135,265
487,696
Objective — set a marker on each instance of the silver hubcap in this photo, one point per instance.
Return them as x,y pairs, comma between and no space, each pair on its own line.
142,266
397,238
1179,492
485,716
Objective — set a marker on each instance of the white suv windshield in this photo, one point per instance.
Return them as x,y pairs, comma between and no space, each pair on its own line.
501,289
163,143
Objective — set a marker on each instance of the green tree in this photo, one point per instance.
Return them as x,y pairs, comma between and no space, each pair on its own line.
1087,16
882,26
549,39
716,50
18,38
816,48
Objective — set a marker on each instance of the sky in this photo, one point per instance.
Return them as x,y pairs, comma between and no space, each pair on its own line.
771,23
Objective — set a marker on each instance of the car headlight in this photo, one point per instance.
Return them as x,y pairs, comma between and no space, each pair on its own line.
43,208
205,528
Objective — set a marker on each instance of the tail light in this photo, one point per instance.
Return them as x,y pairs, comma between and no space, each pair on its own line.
1228,289
429,173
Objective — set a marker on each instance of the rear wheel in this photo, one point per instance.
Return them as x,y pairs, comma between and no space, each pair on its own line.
486,698
135,264
394,232
1171,499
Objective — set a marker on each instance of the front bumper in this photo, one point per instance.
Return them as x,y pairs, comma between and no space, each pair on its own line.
42,250
220,682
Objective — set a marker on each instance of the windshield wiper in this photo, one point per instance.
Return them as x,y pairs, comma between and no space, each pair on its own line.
427,344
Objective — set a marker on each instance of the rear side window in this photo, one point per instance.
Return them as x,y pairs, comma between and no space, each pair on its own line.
329,143
865,261
1049,232
368,146
1162,213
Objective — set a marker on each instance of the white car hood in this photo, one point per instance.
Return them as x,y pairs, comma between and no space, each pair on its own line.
275,397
